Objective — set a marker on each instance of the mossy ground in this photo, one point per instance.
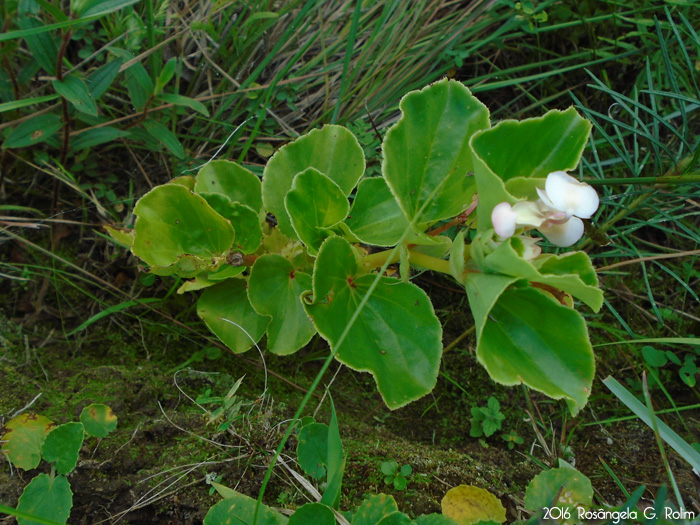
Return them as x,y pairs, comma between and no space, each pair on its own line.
155,466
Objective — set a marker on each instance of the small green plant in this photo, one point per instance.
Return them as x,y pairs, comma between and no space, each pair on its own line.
29,438
227,409
393,475
486,420
512,438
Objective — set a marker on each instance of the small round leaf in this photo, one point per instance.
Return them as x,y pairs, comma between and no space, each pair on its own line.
46,497
62,446
98,420
467,505
23,438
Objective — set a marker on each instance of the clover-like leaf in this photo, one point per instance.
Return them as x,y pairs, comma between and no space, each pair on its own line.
175,227
332,150
524,336
62,446
275,289
47,497
23,439
314,204
98,420
396,337
468,505
232,180
530,148
427,158
227,312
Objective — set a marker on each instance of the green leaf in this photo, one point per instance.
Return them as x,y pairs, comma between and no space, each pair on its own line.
336,463
653,356
227,312
389,468
427,158
98,420
179,100
29,101
468,505
374,509
245,221
397,337
375,217
46,497
103,7
275,289
42,46
166,75
315,513
166,137
572,488
99,80
231,180
528,148
333,150
312,449
139,85
175,227
457,257
96,136
23,439
315,203
33,131
62,446
400,483
527,337
238,509
406,470
434,519
74,89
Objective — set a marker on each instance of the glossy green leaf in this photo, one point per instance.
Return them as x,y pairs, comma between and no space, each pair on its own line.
62,446
468,505
312,449
312,513
99,80
314,204
176,227
232,180
33,131
427,158
43,46
74,89
238,509
527,337
397,337
374,509
98,420
375,217
275,289
572,273
23,439
528,148
332,150
564,488
184,180
166,137
46,497
179,100
96,136
227,312
245,221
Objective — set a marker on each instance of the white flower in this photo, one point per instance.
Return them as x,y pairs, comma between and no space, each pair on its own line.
557,214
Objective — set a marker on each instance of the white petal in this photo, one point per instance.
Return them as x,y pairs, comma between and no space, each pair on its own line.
543,197
531,248
571,196
564,234
503,218
528,213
